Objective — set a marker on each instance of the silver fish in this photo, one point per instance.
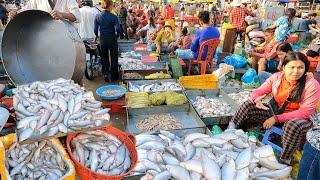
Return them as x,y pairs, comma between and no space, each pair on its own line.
192,165
211,169
165,175
228,171
244,158
178,172
277,174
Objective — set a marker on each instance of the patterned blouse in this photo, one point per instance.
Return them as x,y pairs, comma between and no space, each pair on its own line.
313,135
282,32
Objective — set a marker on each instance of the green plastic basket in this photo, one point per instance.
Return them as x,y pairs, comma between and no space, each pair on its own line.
175,67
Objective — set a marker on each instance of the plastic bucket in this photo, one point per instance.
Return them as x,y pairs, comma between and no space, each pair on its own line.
87,174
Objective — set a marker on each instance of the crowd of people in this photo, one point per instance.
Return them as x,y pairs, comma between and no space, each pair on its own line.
282,71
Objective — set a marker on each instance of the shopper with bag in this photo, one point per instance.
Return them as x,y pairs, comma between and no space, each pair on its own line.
295,96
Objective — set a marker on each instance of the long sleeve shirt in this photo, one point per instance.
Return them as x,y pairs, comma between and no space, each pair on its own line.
309,99
107,23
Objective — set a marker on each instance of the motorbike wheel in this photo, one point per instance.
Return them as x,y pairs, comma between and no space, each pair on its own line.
89,72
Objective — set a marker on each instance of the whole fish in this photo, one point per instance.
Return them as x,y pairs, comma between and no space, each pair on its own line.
104,153
35,160
42,106
228,170
277,174
244,158
211,169
178,172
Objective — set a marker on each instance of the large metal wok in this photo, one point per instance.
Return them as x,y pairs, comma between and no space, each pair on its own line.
35,47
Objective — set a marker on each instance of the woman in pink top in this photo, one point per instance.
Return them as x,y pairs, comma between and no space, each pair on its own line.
294,94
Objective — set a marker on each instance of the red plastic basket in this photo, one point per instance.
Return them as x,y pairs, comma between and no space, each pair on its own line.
116,106
87,174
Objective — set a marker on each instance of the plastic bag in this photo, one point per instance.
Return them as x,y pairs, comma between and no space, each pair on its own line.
250,76
222,72
216,130
236,61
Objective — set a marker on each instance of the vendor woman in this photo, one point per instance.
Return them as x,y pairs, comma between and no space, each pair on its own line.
296,96
165,41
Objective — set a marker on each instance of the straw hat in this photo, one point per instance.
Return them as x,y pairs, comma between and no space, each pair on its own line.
236,3
168,24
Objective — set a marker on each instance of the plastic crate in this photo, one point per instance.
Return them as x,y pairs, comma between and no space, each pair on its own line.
176,68
207,81
116,106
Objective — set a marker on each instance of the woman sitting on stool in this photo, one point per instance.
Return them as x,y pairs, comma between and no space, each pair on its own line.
294,93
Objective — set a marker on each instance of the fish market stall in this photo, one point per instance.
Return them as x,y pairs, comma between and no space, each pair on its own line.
149,100
55,108
213,106
158,85
229,155
155,119
145,74
102,154
46,159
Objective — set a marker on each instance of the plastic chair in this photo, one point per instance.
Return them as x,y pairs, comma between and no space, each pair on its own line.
212,44
265,140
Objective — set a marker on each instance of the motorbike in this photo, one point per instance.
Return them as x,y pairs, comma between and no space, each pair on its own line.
93,60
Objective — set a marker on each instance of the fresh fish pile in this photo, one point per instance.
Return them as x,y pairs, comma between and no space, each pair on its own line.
212,107
101,152
38,160
158,122
155,87
44,109
229,155
242,96
133,64
132,76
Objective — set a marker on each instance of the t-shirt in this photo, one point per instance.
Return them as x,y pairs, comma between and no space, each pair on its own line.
202,34
86,24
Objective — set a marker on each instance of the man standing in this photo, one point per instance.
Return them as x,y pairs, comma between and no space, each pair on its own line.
86,30
59,9
237,18
123,13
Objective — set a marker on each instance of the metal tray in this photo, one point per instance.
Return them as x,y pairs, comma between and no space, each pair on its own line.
142,82
215,120
179,133
157,66
142,72
185,113
235,90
